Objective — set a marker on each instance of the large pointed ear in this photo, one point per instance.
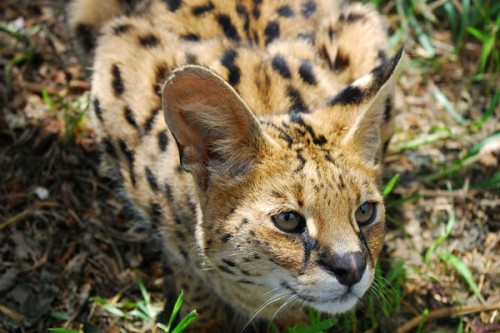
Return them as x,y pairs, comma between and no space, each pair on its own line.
213,127
368,95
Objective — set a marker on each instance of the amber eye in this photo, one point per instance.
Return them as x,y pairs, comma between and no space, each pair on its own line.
289,221
365,214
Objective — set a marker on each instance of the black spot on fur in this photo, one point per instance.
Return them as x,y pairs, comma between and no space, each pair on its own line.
283,134
349,96
108,147
168,193
381,56
245,282
149,41
163,140
202,9
228,60
228,262
308,8
117,82
180,235
298,104
129,155
228,27
121,29
155,213
129,116
226,238
241,10
244,221
225,270
184,254
162,72
341,183
351,17
191,58
256,9
151,178
150,121
297,119
331,33
85,35
341,61
279,64
272,31
306,72
191,37
285,11
387,109
97,110
301,159
323,52
173,5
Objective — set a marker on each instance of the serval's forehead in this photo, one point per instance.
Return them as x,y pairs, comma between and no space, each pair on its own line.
294,131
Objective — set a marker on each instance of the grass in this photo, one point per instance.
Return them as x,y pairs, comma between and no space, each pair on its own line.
132,314
71,113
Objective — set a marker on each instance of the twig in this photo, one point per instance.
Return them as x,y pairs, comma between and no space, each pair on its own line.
11,313
448,312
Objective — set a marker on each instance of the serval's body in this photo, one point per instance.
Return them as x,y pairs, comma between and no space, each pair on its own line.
259,162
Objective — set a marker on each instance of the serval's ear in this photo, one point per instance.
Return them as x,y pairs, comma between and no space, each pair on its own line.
368,96
213,127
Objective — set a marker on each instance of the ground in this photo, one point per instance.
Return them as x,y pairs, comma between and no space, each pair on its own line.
71,257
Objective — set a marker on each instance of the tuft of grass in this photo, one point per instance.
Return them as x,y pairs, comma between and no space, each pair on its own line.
463,271
438,241
184,323
142,313
72,113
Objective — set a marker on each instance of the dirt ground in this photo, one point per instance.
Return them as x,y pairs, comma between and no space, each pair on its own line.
65,236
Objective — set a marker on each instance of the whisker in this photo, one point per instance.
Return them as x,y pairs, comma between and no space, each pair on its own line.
263,306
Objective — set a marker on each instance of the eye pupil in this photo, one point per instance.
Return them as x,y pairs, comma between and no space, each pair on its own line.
366,214
289,221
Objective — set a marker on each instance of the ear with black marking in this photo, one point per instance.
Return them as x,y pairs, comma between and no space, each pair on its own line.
213,127
368,96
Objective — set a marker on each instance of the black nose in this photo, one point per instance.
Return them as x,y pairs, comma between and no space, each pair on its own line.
347,268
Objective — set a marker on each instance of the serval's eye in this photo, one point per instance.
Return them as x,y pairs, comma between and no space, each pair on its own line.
289,221
366,214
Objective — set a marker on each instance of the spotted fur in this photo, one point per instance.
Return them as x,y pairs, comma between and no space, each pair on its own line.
269,108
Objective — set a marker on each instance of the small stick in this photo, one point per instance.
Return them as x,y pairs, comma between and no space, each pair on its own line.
448,312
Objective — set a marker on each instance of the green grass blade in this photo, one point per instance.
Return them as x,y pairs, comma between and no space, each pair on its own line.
491,183
191,316
401,201
64,330
422,37
448,106
390,185
449,227
48,100
476,33
464,22
463,270
470,158
491,108
420,328
175,310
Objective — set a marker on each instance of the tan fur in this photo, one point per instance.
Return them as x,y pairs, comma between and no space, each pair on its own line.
280,109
